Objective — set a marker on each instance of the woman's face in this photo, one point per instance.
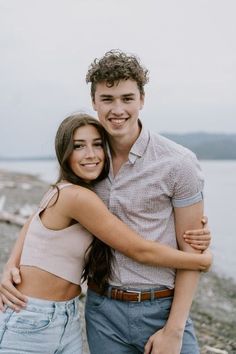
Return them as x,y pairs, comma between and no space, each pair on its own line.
87,158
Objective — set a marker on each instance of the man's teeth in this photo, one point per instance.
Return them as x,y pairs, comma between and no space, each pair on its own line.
115,120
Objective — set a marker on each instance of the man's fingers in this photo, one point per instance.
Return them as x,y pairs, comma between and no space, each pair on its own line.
14,295
1,304
148,346
15,272
10,304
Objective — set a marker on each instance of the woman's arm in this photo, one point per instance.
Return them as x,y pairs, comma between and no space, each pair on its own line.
92,213
87,208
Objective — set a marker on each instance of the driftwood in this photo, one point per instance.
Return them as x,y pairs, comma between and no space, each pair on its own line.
17,218
214,350
12,218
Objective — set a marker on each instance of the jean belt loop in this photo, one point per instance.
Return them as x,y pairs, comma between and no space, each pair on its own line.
68,309
54,313
76,305
152,291
109,289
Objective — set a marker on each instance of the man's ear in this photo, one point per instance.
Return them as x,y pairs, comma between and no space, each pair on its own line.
142,100
93,103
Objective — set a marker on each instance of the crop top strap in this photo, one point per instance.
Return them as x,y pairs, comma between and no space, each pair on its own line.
50,193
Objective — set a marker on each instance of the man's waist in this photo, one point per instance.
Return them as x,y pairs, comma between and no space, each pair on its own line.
130,294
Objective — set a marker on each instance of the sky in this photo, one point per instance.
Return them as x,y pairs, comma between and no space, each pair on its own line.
188,46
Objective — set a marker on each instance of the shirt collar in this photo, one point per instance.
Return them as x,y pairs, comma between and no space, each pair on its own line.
140,145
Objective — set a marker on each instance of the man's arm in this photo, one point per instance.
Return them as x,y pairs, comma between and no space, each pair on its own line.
9,295
169,339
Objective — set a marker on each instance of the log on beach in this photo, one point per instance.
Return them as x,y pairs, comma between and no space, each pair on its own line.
214,307
12,218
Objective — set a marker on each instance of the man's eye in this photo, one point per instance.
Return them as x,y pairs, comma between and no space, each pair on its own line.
128,99
106,99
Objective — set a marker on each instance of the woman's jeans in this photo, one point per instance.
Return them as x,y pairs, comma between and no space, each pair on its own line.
43,327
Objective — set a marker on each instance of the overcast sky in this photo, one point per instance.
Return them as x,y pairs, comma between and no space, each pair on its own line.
188,46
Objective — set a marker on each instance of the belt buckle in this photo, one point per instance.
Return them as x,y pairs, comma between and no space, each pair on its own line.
138,293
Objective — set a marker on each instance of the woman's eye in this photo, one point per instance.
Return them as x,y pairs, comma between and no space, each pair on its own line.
98,144
78,146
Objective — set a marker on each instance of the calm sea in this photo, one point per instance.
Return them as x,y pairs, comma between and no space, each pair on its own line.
220,198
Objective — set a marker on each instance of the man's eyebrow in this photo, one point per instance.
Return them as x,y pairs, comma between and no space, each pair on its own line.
129,94
124,95
104,95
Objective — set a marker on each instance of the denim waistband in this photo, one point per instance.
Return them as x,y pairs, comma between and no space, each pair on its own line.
50,307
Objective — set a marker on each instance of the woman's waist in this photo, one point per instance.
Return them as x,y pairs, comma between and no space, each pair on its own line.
38,283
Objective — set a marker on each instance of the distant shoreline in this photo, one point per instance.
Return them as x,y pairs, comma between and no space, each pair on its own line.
206,146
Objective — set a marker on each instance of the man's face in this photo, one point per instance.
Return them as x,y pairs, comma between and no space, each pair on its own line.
118,107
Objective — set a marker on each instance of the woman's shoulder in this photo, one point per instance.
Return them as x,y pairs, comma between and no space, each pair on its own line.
74,191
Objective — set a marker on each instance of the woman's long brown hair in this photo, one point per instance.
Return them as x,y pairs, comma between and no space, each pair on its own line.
99,256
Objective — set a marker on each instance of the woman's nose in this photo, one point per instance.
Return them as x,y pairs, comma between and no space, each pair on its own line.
90,151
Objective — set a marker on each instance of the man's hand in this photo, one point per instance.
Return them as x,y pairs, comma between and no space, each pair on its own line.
9,295
164,342
199,239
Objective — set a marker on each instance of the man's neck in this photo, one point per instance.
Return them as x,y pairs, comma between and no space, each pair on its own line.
120,149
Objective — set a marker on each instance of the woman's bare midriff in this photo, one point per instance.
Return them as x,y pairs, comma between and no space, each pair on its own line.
40,284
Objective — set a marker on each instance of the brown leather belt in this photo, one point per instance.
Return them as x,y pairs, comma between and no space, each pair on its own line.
120,294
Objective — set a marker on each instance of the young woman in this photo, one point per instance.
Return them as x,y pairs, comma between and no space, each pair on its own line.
52,246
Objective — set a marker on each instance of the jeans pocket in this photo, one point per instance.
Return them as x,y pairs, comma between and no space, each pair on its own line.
94,301
28,322
165,303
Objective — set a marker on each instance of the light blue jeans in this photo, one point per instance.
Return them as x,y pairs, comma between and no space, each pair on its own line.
44,327
116,327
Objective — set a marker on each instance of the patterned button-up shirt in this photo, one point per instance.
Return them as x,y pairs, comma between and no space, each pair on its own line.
158,176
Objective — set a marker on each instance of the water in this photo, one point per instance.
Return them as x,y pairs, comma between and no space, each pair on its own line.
220,197
46,170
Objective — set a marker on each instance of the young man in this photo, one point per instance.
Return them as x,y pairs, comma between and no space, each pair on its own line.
155,186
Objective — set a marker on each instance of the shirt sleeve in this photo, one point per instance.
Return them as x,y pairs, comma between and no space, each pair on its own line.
188,181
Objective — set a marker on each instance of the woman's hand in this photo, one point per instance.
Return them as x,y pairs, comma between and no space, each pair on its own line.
9,295
199,239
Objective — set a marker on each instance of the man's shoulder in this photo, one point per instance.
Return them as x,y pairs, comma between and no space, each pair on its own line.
168,148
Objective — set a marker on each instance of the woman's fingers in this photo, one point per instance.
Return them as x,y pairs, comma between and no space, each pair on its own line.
198,232
204,220
199,239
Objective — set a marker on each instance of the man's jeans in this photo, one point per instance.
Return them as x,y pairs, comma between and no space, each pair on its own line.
115,327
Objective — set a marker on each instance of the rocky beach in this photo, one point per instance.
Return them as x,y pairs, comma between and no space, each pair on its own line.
214,307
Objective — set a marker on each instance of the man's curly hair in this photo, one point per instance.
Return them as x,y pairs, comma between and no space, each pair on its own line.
114,66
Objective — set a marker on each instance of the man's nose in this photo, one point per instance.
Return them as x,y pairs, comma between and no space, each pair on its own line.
117,108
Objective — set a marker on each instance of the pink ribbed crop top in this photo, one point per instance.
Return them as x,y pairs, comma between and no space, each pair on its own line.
60,252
